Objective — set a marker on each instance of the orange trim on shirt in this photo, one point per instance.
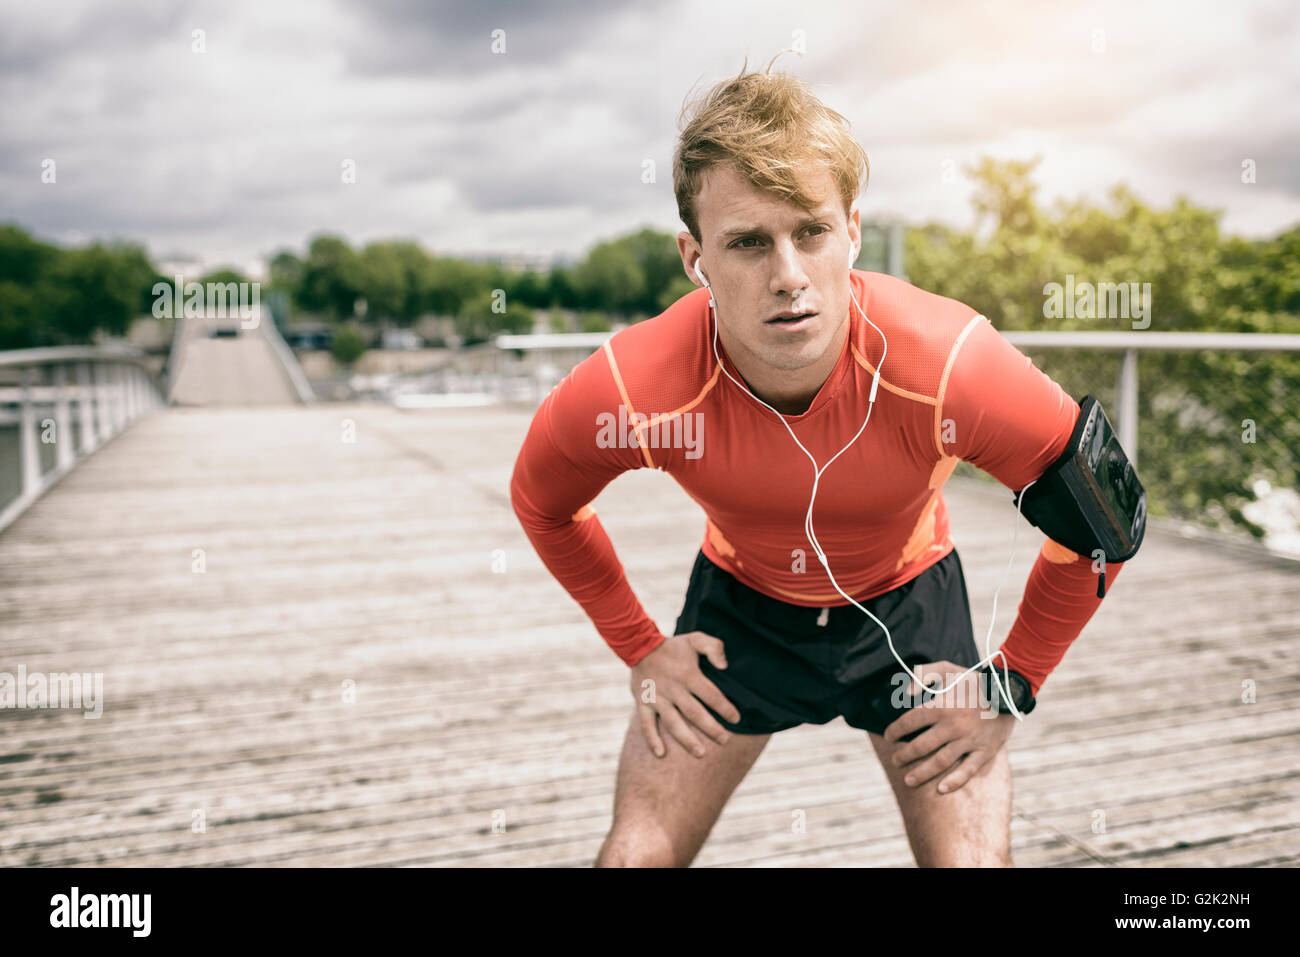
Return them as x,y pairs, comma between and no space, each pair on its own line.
1058,554
861,360
689,405
943,381
923,536
627,404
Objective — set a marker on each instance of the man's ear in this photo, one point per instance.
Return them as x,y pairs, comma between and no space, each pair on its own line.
855,229
690,251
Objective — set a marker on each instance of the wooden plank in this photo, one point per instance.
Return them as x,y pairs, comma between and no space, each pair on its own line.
372,561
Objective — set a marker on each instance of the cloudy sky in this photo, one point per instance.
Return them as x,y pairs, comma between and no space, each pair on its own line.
227,154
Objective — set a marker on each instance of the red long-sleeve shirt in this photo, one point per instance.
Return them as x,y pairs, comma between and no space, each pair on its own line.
951,389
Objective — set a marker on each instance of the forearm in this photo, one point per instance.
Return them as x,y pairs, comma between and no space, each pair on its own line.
1060,598
579,553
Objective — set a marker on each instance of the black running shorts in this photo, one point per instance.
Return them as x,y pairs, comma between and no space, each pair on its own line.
784,669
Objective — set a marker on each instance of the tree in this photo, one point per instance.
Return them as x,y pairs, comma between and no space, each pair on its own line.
383,282
26,313
452,282
630,275
527,286
677,287
286,271
1193,408
331,278
595,322
488,314
97,288
611,277
348,344
561,290
1005,193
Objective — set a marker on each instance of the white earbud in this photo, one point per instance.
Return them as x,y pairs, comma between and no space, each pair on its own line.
712,304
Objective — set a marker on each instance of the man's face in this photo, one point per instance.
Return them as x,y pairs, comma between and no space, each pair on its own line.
764,258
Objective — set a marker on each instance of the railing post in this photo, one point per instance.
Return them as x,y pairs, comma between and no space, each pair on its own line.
141,394
127,405
29,452
1128,405
128,391
86,404
119,396
102,416
62,418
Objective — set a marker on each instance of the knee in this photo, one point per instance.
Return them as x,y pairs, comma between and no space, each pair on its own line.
638,847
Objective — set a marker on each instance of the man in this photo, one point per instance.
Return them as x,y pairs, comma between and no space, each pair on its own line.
781,353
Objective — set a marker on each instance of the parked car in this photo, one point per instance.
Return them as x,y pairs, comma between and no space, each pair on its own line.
400,339
309,339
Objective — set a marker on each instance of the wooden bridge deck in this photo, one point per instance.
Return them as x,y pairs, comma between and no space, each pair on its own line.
484,696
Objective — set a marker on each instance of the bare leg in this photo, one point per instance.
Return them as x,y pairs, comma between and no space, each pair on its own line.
664,808
969,827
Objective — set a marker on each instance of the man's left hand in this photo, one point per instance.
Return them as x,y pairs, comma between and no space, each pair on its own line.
961,737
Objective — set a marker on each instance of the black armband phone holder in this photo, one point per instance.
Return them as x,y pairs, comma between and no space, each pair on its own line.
1090,497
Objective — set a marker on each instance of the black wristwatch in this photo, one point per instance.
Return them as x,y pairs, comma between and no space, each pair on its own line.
1017,684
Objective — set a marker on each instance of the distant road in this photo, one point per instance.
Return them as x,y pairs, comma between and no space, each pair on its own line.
238,370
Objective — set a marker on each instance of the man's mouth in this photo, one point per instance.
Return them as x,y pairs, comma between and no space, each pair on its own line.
791,320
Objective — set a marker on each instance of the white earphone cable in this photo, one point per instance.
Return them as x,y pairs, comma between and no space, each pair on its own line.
811,534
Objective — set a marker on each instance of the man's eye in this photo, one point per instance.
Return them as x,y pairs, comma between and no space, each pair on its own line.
824,230
744,239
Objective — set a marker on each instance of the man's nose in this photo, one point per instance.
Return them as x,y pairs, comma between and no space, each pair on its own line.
788,274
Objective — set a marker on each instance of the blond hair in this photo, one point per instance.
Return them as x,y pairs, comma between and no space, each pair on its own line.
768,125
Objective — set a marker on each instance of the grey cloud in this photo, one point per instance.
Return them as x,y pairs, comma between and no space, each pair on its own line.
543,145
411,37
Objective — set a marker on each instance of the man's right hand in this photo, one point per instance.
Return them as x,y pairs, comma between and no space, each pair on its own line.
664,683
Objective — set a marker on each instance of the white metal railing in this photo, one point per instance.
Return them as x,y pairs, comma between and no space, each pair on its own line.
553,340
1127,342
43,391
297,378
1130,343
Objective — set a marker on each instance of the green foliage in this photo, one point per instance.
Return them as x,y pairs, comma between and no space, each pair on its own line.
630,275
595,322
332,278
383,281
677,287
348,344
528,287
557,321
610,275
1192,407
285,271
51,296
561,289
224,276
490,313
